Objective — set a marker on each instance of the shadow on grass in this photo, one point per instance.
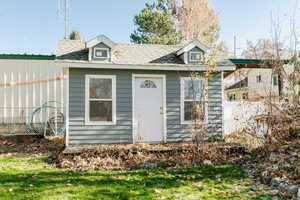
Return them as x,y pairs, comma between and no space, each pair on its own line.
139,184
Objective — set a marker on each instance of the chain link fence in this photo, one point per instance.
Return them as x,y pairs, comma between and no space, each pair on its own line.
47,119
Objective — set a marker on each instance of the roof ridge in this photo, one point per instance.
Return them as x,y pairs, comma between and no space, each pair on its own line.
72,40
128,44
133,44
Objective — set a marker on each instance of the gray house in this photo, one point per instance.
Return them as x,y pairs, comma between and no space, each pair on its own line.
136,93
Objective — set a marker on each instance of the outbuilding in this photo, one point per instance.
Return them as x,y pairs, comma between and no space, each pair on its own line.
137,93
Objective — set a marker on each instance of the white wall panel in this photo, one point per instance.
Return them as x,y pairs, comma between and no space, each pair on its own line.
26,85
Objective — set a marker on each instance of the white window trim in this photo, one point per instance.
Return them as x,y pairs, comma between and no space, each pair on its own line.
87,100
190,56
106,49
182,79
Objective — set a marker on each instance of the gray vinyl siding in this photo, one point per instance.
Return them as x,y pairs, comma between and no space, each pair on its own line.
215,104
80,133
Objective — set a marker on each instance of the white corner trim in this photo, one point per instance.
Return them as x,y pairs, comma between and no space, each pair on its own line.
87,100
66,104
223,102
182,79
101,48
164,96
90,54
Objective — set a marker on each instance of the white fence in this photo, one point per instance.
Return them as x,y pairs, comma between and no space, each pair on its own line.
239,115
25,85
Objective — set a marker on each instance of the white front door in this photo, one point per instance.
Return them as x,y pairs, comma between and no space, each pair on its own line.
148,109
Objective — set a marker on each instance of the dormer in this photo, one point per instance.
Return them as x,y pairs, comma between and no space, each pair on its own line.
100,48
193,52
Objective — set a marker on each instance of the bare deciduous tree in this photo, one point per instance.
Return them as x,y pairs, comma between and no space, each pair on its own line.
261,49
196,20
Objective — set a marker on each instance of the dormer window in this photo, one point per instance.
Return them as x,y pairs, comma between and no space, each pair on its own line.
101,53
100,48
195,56
193,53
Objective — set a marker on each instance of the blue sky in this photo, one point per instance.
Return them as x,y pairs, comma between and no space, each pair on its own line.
34,26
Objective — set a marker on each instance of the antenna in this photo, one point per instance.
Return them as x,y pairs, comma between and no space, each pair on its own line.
63,13
67,18
235,47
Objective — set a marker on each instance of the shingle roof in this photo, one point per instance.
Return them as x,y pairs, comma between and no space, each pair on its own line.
72,50
123,53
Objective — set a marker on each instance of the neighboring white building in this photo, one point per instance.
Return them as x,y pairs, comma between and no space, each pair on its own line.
255,83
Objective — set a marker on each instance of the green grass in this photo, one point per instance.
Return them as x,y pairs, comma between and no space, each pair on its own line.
32,178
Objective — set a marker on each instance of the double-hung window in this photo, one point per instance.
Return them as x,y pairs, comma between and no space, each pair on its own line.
275,80
258,78
192,99
100,99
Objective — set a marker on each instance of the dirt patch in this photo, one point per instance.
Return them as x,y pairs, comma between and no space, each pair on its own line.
279,167
147,156
30,145
245,139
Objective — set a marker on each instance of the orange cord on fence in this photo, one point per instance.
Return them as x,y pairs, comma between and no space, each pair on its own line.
34,81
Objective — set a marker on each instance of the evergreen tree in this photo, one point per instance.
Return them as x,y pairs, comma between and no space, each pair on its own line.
155,25
75,35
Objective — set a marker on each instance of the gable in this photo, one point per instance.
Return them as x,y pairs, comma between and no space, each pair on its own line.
193,50
100,47
192,45
100,39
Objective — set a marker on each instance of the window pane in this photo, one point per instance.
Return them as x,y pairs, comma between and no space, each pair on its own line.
195,56
100,88
193,110
275,80
258,78
193,90
101,53
101,111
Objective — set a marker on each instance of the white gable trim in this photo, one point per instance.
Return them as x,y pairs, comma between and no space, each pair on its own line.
144,67
113,100
192,45
100,39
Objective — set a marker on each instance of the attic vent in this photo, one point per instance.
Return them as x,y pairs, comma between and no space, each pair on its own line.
148,84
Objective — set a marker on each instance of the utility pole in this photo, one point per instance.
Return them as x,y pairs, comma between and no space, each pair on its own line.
234,46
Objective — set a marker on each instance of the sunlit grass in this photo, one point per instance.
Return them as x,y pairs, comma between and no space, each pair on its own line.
32,178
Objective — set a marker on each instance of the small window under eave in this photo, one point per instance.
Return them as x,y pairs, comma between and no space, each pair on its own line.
101,53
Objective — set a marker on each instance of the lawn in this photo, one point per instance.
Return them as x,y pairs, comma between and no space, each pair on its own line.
32,178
